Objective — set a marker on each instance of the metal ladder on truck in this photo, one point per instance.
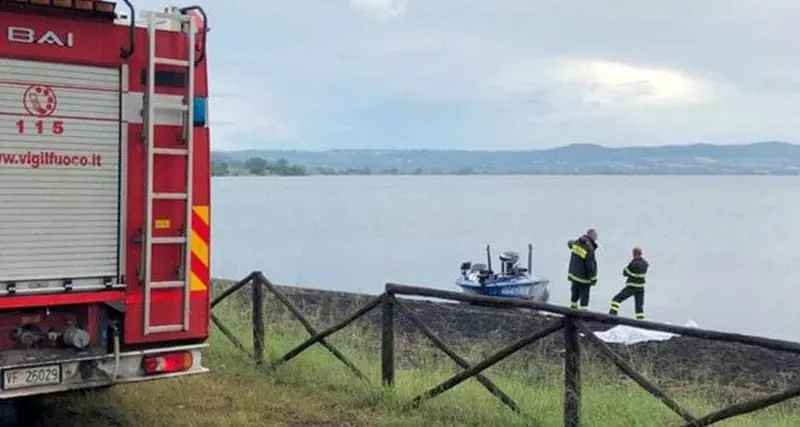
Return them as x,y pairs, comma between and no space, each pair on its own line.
186,108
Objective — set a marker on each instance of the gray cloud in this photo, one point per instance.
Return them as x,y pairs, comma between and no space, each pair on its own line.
503,74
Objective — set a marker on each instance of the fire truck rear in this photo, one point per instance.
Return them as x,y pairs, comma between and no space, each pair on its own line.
104,194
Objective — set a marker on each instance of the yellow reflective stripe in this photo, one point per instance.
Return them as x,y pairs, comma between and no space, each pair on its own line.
196,283
615,305
575,278
199,236
199,247
635,285
202,211
579,250
632,274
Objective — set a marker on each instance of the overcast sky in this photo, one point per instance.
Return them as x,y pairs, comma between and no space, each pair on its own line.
501,74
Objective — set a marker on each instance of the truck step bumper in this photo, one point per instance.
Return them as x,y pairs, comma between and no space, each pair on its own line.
98,371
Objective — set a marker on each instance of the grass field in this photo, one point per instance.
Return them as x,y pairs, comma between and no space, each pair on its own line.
315,389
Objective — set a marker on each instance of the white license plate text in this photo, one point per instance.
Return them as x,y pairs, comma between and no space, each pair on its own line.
31,377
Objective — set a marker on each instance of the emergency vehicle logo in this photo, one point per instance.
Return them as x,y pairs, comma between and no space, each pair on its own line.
39,100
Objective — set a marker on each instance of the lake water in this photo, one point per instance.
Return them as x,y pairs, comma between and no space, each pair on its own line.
721,249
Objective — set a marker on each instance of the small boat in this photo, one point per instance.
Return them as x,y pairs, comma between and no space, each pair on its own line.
512,282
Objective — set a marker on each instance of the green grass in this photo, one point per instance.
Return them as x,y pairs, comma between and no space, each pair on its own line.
315,389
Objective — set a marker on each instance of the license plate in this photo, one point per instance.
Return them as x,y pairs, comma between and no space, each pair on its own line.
31,377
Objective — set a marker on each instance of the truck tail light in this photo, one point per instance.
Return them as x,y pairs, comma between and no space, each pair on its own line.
166,363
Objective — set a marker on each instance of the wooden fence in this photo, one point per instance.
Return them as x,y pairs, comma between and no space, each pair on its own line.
572,323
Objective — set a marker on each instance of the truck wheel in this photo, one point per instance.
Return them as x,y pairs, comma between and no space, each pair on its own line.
27,411
30,411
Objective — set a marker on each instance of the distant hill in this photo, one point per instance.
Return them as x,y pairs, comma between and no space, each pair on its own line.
763,158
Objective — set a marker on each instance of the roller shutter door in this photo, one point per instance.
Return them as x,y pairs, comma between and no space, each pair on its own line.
59,175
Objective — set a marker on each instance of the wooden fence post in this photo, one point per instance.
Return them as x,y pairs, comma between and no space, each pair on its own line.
310,329
572,374
387,341
258,320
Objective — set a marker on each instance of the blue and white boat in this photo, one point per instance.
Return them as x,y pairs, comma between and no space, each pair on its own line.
513,281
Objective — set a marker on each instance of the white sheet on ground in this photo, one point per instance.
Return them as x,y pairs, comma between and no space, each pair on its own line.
629,335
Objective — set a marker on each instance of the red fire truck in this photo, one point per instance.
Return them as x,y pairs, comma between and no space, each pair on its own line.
104,194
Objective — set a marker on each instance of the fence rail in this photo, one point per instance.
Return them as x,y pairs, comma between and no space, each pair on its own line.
571,322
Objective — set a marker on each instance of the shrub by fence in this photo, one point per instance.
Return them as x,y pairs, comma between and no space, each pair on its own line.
572,323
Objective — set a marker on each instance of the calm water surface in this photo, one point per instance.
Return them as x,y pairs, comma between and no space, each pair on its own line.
722,249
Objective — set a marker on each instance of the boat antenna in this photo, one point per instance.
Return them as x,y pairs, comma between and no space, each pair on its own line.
530,259
488,258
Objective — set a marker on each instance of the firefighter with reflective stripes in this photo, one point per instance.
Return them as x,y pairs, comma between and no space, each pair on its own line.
582,269
634,285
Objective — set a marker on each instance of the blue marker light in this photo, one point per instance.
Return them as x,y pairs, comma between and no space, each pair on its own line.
200,111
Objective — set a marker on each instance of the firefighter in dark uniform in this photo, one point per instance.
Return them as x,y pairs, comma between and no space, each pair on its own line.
634,285
582,269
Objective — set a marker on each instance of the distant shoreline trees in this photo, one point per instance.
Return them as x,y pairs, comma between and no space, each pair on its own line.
259,166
